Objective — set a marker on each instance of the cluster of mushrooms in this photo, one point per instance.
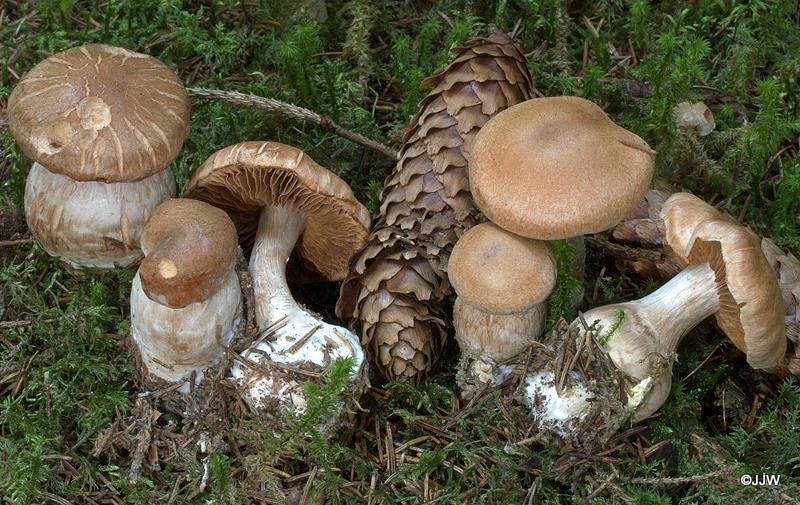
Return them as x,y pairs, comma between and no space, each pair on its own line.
569,171
103,124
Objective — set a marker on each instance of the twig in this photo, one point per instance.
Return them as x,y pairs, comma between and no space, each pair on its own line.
4,325
203,483
703,362
55,499
264,369
602,486
625,252
48,406
174,493
307,488
292,111
144,438
391,455
20,241
678,481
304,339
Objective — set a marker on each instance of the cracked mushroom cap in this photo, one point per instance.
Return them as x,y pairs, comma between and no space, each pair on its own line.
190,249
243,178
500,272
554,168
682,214
751,308
100,113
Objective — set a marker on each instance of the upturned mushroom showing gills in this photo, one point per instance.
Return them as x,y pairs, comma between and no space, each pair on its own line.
186,303
502,281
726,275
102,125
282,201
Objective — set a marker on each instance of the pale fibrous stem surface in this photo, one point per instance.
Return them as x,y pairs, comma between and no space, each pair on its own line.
297,338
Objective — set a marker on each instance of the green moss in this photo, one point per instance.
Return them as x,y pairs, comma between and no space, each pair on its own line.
739,57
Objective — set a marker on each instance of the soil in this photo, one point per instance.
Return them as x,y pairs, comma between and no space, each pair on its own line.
12,224
12,227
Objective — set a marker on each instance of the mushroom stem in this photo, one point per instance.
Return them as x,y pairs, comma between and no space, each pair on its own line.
174,342
302,341
640,337
671,311
481,333
642,343
92,224
578,268
278,231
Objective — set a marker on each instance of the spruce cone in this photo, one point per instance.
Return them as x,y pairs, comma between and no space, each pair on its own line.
395,293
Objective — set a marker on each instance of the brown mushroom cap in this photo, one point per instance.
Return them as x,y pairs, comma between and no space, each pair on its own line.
243,178
100,113
501,272
190,249
553,168
751,308
682,214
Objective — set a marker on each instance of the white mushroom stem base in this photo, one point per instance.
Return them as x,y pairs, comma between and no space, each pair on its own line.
175,342
90,223
641,338
297,339
486,339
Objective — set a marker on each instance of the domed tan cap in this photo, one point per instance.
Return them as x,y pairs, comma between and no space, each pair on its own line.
243,178
501,272
553,168
100,113
751,308
190,249
682,214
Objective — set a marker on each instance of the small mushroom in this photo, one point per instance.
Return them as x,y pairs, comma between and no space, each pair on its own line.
502,281
726,275
186,302
694,117
102,124
282,201
558,168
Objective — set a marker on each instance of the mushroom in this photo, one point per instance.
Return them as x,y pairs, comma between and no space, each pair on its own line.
102,124
726,275
681,214
186,302
684,212
694,117
553,168
281,200
557,168
501,280
647,228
